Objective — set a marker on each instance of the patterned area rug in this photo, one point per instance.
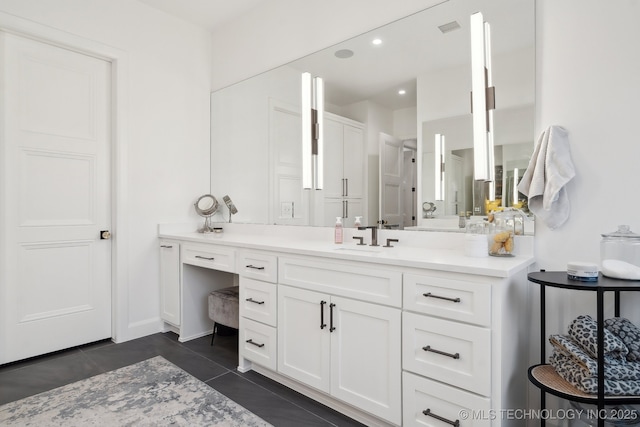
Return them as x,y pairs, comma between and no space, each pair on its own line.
150,393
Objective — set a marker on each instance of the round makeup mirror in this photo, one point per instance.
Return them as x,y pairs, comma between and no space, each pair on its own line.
206,206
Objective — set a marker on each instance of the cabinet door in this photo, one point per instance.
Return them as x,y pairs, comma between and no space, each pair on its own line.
354,162
365,357
333,208
303,341
391,177
347,209
170,282
353,208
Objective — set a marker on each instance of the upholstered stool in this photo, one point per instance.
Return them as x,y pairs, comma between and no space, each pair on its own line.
224,308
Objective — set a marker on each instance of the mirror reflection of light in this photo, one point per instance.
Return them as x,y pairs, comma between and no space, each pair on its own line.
515,187
482,112
376,42
307,173
402,92
439,166
312,132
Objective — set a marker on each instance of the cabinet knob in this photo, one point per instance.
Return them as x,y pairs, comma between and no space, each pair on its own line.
105,235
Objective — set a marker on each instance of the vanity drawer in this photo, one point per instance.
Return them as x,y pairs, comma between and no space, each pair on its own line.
420,395
258,266
451,299
258,300
258,343
209,256
361,281
451,352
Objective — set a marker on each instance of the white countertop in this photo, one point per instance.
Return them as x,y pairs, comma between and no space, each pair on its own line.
437,251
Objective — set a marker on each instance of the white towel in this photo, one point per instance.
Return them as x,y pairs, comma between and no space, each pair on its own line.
549,170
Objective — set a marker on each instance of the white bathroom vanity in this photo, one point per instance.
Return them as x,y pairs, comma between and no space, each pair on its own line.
400,335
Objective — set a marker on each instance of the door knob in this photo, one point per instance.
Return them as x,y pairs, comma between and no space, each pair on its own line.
105,235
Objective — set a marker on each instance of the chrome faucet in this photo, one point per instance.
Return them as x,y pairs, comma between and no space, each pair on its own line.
374,234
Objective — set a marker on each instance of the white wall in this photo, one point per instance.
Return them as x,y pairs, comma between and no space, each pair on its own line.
588,63
167,126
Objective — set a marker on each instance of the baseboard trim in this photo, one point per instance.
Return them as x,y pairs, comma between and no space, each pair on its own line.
140,329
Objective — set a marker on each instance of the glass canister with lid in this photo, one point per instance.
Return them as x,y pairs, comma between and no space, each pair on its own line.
622,247
504,227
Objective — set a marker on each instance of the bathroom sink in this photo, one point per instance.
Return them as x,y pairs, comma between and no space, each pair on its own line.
360,249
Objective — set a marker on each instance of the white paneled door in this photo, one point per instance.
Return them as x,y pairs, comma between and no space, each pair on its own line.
55,289
391,174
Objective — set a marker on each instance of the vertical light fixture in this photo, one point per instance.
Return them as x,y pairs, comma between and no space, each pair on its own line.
312,132
439,166
482,99
307,170
318,94
515,187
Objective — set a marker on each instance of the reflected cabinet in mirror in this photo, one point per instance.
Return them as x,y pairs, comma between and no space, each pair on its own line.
387,94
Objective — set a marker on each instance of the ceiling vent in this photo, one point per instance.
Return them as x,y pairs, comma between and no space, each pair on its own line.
451,26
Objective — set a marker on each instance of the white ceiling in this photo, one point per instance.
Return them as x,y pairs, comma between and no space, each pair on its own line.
415,46
206,13
412,46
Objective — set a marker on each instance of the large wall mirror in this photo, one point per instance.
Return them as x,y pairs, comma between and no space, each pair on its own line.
384,101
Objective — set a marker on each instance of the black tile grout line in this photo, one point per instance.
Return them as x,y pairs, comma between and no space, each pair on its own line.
180,344
270,392
238,374
58,354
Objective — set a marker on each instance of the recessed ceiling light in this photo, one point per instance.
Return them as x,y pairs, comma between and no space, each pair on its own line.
402,92
376,41
448,27
344,53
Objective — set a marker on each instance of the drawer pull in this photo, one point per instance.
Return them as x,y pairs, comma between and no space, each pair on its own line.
254,301
429,294
453,356
331,327
250,341
428,413
322,324
254,267
204,257
166,246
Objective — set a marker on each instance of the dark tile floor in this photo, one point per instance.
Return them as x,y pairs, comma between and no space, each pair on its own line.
215,366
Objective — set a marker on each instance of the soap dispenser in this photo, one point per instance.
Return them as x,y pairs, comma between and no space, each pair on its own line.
338,232
358,222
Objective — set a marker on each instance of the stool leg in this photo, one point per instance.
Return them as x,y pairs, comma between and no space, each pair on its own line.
213,335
